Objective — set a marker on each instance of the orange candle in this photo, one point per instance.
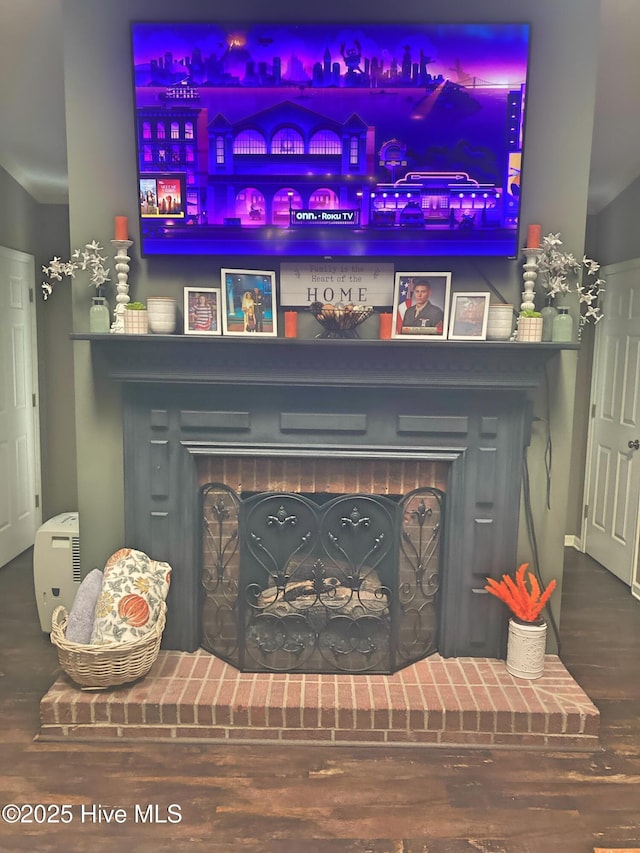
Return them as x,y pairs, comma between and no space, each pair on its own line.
533,237
122,229
385,326
291,324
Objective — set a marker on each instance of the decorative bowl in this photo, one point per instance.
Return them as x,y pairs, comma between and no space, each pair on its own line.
339,321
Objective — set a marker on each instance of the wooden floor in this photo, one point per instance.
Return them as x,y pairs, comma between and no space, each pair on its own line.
316,799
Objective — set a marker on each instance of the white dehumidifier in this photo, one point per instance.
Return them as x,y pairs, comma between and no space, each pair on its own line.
56,565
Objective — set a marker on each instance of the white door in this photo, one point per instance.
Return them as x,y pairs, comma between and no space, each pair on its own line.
613,482
20,514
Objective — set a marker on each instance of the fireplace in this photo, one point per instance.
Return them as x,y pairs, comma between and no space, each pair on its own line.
305,568
193,404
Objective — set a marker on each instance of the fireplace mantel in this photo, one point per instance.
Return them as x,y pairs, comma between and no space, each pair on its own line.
186,397
496,365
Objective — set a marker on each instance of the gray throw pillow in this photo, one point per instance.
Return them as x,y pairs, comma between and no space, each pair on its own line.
81,615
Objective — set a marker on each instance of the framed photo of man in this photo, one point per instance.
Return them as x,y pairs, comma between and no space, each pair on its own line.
421,305
249,303
469,313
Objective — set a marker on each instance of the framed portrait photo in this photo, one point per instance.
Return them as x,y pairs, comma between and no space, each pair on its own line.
202,311
469,313
421,305
249,305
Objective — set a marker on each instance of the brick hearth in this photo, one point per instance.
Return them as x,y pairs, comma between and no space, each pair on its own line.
471,702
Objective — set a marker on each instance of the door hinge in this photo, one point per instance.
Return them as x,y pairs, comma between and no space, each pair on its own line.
33,401
593,410
586,511
31,294
37,501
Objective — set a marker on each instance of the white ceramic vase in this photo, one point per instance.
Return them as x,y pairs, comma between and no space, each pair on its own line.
500,322
162,312
526,646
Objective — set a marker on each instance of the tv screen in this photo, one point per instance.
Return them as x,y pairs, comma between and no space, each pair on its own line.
330,140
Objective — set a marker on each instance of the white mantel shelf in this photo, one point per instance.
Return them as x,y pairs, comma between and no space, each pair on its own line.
496,365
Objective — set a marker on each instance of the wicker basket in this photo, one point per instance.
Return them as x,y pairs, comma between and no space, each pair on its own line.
108,665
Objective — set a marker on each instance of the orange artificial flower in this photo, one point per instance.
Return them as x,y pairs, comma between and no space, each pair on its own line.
525,603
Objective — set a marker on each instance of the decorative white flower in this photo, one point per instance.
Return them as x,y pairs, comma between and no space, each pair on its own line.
90,259
560,272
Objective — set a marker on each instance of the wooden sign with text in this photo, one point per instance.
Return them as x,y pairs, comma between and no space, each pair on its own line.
336,281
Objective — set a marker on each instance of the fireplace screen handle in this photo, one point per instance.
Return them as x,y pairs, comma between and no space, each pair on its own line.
634,445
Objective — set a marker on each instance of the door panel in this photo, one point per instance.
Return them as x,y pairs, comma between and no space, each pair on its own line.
613,482
19,467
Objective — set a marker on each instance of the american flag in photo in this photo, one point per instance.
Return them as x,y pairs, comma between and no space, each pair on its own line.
404,300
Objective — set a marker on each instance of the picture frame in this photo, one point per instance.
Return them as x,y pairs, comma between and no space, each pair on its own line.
427,316
469,314
249,303
202,311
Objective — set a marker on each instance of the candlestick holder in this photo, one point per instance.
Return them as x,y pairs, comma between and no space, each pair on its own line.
122,285
529,276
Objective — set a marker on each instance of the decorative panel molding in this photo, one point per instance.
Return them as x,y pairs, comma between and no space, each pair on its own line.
426,425
322,422
214,420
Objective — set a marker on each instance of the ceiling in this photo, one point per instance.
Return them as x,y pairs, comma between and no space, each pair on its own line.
32,124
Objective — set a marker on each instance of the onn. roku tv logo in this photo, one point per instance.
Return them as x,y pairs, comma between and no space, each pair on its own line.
325,217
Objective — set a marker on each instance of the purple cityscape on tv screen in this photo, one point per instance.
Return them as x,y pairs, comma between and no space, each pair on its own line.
330,140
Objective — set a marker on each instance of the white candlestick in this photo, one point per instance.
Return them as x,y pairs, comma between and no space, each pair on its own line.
122,285
530,275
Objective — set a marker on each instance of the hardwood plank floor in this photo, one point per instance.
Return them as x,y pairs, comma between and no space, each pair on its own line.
348,800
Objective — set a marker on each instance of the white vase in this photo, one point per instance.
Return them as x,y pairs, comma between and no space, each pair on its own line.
525,649
162,311
500,322
99,316
529,329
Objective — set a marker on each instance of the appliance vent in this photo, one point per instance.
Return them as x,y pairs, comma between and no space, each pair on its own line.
75,559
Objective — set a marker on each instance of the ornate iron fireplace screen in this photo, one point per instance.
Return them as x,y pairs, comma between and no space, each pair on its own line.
320,583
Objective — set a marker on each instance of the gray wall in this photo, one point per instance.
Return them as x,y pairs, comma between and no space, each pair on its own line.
613,232
42,231
101,155
18,216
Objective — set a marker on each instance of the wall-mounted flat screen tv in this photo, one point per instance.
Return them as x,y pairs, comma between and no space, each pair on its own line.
330,140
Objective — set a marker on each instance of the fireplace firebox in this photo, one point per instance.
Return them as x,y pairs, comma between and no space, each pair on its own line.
188,402
320,583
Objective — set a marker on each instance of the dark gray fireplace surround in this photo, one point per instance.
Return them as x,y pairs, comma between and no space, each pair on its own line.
459,402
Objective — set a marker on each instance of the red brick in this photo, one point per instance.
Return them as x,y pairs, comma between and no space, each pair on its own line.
293,703
50,731
467,738
371,736
363,704
242,733
470,721
117,713
101,710
275,707
187,702
148,732
311,703
93,732
435,720
200,732
346,714
328,702
258,706
306,734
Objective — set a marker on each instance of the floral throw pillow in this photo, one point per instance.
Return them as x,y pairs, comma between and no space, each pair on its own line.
133,590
